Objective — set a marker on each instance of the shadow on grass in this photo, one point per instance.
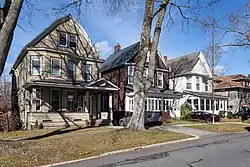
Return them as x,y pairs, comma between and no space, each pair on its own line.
56,132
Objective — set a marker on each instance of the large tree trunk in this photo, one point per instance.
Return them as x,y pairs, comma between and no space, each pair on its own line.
137,120
7,30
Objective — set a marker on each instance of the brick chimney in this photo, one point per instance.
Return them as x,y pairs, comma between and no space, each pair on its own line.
117,48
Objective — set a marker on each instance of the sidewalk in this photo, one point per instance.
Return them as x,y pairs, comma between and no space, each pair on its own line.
187,131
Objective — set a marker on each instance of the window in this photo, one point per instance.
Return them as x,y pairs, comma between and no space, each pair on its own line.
131,104
189,82
36,65
206,85
207,104
217,104
72,41
70,100
87,72
196,104
189,101
55,100
166,105
63,39
130,74
38,100
197,83
160,79
202,104
71,70
55,66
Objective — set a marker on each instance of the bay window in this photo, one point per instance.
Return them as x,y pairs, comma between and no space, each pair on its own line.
36,65
55,66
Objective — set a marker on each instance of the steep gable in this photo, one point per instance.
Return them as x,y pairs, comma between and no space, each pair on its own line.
202,67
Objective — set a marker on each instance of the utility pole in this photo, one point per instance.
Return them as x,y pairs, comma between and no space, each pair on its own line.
213,50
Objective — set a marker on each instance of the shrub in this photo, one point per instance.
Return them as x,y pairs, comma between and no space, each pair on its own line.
229,115
186,109
222,114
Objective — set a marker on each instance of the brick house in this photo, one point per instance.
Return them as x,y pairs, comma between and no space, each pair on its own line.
119,69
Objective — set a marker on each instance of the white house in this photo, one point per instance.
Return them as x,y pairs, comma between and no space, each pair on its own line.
191,75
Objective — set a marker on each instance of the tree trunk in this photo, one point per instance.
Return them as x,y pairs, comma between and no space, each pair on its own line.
137,120
6,33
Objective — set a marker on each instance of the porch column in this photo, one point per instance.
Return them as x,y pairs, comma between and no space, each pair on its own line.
225,105
199,103
33,99
99,105
161,103
87,102
110,107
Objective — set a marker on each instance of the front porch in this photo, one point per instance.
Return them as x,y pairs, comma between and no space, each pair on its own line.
59,105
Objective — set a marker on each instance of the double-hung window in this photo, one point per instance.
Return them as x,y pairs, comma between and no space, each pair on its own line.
71,69
87,72
206,85
72,41
55,66
36,65
62,39
197,83
160,79
130,74
189,82
131,104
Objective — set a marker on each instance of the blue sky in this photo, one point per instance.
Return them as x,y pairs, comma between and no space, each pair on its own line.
105,31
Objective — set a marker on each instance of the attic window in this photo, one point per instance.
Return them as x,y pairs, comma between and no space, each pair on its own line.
62,39
72,41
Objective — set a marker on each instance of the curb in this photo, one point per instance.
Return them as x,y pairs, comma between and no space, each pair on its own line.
122,151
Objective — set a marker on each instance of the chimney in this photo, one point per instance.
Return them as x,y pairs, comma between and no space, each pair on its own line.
166,59
117,48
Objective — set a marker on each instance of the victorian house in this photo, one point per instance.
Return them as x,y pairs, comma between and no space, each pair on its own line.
56,78
119,69
192,76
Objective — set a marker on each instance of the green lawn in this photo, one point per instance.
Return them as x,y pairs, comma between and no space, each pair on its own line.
58,145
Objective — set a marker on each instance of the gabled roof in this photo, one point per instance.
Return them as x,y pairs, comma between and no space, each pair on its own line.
121,57
183,65
48,30
231,81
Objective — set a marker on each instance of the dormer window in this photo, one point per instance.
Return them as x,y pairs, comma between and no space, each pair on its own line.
72,41
62,39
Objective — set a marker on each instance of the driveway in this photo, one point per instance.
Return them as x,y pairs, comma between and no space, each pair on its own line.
218,150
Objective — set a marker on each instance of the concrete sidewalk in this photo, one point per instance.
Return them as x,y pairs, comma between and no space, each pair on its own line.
187,131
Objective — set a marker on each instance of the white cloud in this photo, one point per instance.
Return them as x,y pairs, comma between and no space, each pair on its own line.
104,48
219,70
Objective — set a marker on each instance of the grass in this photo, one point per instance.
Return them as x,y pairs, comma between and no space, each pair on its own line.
74,144
229,120
180,121
221,127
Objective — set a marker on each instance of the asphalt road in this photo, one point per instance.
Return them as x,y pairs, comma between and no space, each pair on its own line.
227,150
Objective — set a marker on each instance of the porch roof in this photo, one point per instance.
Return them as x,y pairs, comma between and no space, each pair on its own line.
101,84
157,92
205,95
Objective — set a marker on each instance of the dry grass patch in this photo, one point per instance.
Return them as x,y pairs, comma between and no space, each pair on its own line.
180,121
221,127
229,120
77,144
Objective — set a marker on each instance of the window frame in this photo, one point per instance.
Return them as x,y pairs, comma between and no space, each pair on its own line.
66,35
69,41
89,73
131,75
206,85
51,67
189,81
197,80
160,80
31,64
68,70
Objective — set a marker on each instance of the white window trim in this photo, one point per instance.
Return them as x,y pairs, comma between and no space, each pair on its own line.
70,40
31,69
196,83
161,79
66,45
132,73
51,67
90,71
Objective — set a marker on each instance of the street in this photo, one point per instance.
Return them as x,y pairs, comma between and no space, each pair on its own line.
220,150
